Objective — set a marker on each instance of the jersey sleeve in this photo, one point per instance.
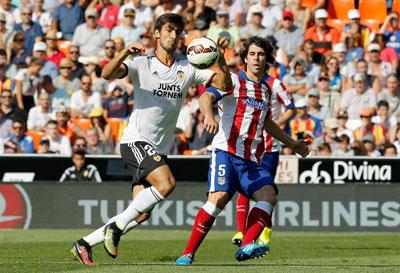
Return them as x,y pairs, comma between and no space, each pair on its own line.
283,96
131,68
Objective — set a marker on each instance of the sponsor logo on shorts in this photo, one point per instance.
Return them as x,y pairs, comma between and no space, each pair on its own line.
15,207
221,180
157,158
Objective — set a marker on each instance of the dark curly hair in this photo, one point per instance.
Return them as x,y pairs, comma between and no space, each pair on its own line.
265,44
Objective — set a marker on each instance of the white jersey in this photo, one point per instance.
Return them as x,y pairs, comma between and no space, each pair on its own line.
159,94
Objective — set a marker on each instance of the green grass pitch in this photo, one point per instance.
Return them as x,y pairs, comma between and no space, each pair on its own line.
156,250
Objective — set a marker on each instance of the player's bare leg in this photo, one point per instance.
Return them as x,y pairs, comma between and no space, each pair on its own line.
202,224
162,184
83,248
259,218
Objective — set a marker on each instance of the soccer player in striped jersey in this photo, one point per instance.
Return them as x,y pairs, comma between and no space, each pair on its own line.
281,99
237,151
161,82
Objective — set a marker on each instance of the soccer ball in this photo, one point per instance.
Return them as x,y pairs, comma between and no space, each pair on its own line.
202,53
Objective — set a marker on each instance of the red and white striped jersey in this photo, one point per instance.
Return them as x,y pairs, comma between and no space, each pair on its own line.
280,98
243,111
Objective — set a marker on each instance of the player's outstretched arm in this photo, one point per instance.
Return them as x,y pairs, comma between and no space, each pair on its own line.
115,69
299,146
205,103
222,79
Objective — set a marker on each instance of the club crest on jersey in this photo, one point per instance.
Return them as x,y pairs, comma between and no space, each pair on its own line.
157,158
180,75
261,105
221,180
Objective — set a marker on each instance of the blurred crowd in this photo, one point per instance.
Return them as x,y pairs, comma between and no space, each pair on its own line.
338,60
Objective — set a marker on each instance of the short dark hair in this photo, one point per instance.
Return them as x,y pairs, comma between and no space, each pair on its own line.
52,121
80,152
260,42
344,137
390,145
382,103
172,18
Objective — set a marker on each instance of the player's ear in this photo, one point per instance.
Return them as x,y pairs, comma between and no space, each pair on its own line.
157,34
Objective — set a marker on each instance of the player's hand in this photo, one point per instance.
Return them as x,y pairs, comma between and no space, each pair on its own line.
211,125
301,147
222,44
134,49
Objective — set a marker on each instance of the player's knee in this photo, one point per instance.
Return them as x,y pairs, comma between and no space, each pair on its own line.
167,186
219,199
143,217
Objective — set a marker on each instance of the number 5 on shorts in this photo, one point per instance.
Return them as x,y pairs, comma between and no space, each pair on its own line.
221,170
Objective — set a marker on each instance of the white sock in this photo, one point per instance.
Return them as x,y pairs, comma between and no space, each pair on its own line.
97,236
143,202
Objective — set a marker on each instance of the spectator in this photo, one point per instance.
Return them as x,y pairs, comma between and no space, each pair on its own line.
90,37
289,37
199,138
65,81
329,135
390,150
332,69
391,94
10,110
18,140
356,30
376,67
67,17
44,146
41,16
222,28
236,9
58,144
95,145
298,83
84,100
396,143
59,98
369,146
108,13
52,53
100,124
8,10
342,118
272,14
117,104
120,45
343,149
91,67
167,6
315,108
65,126
384,118
358,148
109,52
323,36
80,143
304,125
144,16
31,29
328,98
77,67
5,125
27,83
355,99
368,128
203,15
313,59
388,54
39,115
17,53
80,172
5,82
127,29
392,35
302,15
254,26
324,149
339,52
353,52
6,34
372,81
49,68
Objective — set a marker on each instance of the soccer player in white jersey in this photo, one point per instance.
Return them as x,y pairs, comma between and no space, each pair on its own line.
237,151
281,99
160,82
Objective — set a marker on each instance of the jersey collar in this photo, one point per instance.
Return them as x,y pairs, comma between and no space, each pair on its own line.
243,75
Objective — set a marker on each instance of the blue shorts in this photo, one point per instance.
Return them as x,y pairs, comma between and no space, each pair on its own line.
270,162
230,173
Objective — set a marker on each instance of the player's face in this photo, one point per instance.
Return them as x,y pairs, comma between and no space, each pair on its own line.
169,37
256,60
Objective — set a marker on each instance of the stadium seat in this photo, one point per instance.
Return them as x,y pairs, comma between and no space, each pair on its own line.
396,6
372,24
82,123
64,46
338,24
114,124
373,9
308,3
36,136
338,9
